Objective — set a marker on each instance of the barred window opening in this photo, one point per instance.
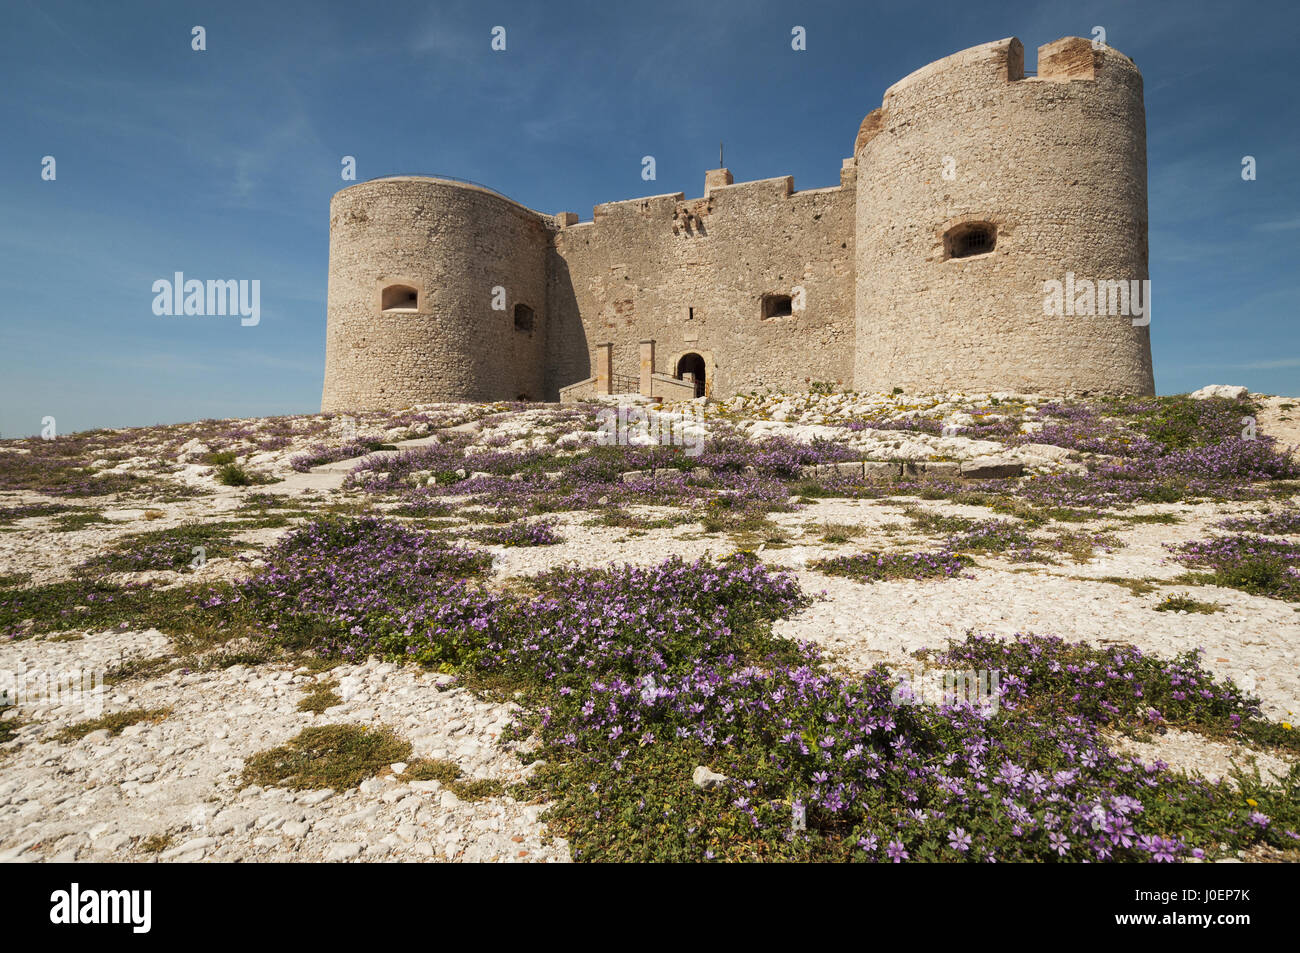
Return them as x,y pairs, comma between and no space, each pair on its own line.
971,239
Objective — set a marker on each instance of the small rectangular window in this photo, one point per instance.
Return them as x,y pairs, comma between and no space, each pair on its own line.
400,299
777,306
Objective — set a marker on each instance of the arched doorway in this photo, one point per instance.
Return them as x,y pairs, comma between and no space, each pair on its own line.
690,367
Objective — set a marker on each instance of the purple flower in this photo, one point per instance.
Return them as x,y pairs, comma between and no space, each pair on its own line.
1119,830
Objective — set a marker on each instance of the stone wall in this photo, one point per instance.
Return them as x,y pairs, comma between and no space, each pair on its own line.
1057,163
880,294
455,243
692,275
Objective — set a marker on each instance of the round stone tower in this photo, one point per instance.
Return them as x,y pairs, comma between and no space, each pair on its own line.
980,191
437,292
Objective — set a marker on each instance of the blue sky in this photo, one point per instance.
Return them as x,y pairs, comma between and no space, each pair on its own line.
221,163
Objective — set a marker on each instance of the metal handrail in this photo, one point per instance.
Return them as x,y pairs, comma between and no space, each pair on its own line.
625,384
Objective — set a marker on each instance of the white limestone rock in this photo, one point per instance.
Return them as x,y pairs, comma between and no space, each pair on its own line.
1230,391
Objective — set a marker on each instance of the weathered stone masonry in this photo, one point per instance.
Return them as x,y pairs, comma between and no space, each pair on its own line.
970,187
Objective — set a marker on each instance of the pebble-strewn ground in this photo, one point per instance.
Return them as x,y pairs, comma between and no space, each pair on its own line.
170,789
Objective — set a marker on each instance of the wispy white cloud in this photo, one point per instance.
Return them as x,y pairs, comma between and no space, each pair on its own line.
282,145
1271,365
446,43
207,362
1283,225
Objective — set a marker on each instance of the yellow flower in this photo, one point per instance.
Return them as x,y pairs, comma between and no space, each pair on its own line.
1286,725
1252,802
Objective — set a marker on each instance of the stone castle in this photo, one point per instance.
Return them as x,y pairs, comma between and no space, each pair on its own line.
972,186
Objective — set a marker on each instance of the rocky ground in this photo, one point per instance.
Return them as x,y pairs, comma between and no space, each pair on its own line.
172,787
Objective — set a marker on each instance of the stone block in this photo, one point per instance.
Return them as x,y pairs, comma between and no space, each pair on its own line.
991,468
882,469
941,469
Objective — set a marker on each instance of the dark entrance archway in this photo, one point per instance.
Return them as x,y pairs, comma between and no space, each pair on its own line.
690,367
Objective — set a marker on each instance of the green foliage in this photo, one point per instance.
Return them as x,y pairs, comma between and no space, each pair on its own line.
1080,545
232,474
431,769
647,810
476,789
224,660
172,549
808,490
424,508
12,514
1166,519
182,612
71,522
449,774
1185,603
114,722
62,606
1139,587
1177,422
9,726
320,696
733,514
1259,577
875,567
156,843
140,668
836,533
326,756
64,477
618,518
927,522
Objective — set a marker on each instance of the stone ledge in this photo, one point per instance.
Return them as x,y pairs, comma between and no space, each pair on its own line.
983,468
941,469
666,474
991,468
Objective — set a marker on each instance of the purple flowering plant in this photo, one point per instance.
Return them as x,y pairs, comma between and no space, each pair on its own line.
1281,522
630,677
1262,565
522,533
873,567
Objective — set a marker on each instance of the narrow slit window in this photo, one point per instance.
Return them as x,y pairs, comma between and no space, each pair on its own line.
523,318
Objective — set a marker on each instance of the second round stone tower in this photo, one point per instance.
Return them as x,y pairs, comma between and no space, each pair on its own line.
437,292
978,187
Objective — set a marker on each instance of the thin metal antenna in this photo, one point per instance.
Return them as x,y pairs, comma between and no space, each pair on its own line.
720,165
